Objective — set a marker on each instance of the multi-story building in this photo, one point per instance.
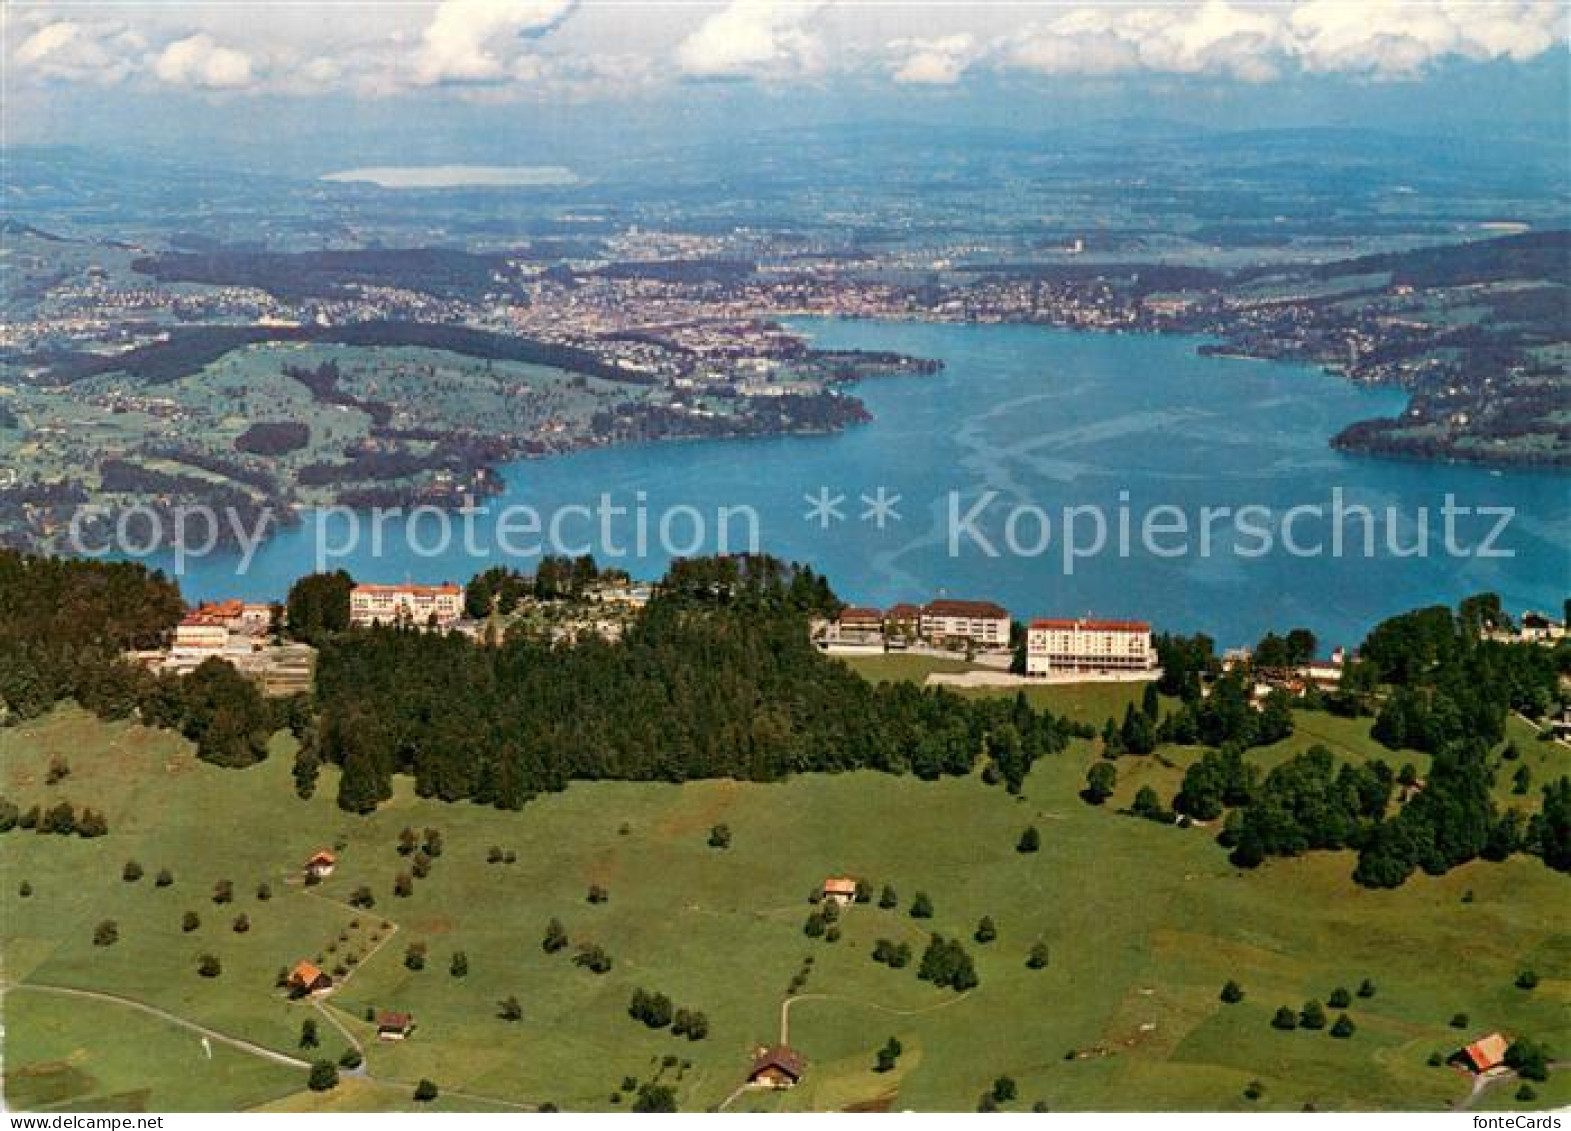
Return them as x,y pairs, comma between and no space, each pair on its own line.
904,619
1085,645
854,631
981,623
199,633
857,620
410,604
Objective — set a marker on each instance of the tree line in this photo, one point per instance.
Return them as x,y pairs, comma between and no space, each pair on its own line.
1437,683
718,678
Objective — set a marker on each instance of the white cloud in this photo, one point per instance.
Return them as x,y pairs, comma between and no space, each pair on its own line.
1214,37
1065,51
934,62
754,39
1400,37
478,41
1257,41
201,61
76,52
498,50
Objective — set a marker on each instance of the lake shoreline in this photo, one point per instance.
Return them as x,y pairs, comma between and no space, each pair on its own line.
1043,416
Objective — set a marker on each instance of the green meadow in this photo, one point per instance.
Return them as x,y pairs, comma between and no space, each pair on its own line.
1084,702
1143,924
70,1054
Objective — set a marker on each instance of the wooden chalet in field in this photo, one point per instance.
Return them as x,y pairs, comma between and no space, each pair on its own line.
392,1025
308,978
839,890
779,1066
321,865
1484,1055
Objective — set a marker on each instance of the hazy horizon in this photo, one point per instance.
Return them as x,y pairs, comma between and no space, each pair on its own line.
532,82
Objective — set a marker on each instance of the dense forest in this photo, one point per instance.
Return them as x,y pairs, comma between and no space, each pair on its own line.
190,348
65,626
65,623
333,273
273,438
717,679
1436,684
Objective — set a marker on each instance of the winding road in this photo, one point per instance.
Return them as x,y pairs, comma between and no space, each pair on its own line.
785,1008
240,1043
164,1015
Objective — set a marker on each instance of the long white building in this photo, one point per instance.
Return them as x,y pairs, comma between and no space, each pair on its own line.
409,604
981,623
1085,645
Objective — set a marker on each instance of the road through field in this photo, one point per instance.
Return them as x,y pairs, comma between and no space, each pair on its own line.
163,1015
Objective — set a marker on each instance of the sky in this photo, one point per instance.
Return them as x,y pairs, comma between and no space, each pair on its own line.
432,81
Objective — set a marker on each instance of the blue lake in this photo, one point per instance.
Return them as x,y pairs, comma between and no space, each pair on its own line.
1043,420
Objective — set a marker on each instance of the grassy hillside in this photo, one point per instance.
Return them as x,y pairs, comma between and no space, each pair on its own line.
1084,702
1143,922
70,1054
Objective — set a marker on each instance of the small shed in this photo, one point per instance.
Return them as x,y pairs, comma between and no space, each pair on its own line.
779,1066
321,865
392,1025
308,978
839,890
1483,1055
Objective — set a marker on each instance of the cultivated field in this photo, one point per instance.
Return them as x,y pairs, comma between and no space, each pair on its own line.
68,429
1143,923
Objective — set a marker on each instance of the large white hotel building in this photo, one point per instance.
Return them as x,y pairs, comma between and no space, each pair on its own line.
418,605
1085,645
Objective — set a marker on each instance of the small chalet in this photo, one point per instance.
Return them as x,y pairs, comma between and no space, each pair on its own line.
1483,1055
779,1066
839,890
320,866
393,1026
308,978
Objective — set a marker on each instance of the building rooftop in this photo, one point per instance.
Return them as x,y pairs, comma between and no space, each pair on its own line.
948,608
1487,1052
1088,624
419,590
305,972
783,1057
